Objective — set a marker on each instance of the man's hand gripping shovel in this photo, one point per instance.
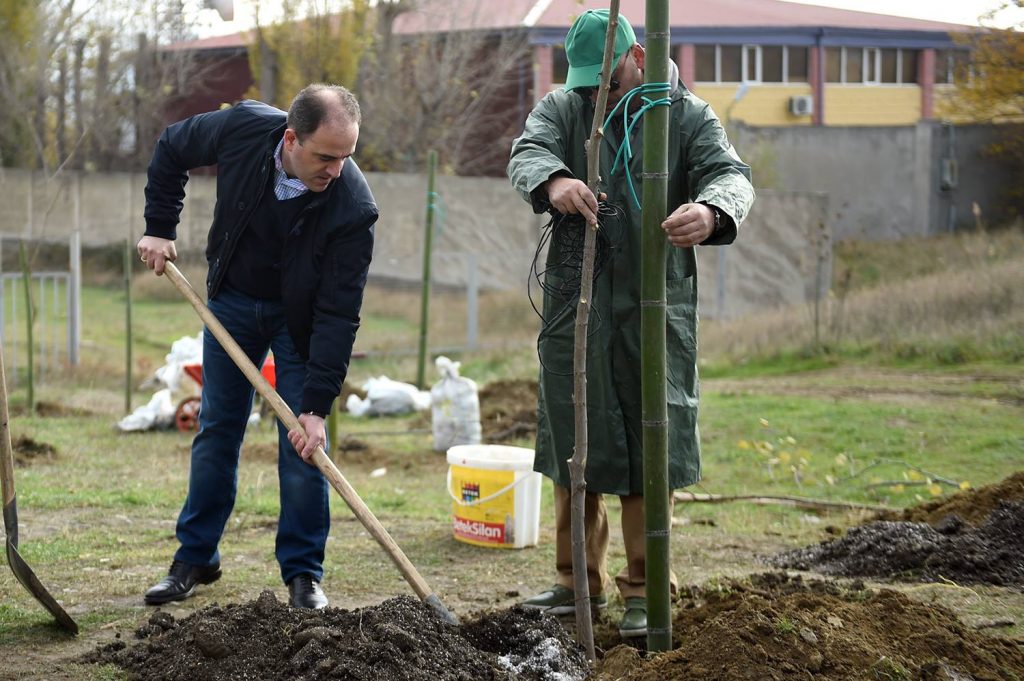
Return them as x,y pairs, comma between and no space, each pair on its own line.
319,458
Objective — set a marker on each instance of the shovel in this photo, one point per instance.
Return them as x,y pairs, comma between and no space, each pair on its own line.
21,569
320,458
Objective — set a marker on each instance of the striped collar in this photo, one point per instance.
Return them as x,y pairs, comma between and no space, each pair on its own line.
285,187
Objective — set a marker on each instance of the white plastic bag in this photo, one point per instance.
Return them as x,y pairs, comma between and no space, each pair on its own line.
456,407
158,413
387,397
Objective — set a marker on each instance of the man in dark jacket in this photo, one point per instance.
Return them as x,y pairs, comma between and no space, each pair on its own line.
288,254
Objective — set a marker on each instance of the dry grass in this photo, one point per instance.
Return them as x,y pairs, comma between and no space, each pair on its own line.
950,299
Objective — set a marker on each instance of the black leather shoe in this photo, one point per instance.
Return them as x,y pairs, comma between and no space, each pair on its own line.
181,581
305,592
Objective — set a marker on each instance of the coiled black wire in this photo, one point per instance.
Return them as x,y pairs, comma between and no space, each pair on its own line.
561,280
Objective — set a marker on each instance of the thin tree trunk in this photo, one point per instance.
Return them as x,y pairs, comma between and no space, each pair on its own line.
652,335
76,79
60,130
578,462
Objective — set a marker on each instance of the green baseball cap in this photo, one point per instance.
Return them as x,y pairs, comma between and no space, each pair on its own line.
584,47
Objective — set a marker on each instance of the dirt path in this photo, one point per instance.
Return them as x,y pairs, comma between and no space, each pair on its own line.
885,385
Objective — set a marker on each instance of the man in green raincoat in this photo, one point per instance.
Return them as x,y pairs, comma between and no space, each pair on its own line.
709,195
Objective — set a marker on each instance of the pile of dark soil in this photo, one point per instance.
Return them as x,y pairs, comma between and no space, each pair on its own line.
972,506
508,410
773,626
401,639
27,450
974,537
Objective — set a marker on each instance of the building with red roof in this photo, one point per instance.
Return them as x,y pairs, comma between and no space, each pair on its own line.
762,62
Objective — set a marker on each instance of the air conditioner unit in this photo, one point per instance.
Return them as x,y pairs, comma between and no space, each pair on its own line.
801,105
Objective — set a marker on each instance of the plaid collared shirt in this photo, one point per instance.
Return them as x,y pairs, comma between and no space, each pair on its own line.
285,187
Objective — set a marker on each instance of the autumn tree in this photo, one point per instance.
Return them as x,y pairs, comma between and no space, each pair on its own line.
313,41
438,84
84,85
989,88
433,83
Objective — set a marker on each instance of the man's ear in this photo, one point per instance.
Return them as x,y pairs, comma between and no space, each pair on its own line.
290,139
639,55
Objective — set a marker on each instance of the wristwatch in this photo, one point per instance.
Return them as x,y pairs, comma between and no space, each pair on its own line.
718,218
316,413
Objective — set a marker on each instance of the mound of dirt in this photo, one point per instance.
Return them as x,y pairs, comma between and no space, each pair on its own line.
401,639
508,410
27,450
57,410
992,553
779,627
972,506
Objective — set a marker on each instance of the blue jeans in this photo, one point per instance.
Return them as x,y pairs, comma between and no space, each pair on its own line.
257,326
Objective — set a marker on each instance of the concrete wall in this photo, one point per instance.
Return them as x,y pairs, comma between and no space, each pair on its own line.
884,182
483,230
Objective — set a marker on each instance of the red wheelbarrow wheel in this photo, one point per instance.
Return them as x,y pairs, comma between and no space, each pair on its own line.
186,418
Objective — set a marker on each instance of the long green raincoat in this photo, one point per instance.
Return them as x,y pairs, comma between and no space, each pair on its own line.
703,167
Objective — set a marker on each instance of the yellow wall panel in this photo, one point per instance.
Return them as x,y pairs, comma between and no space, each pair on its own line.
867,105
761,105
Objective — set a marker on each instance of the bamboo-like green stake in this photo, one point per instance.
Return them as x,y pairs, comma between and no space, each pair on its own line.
425,289
129,254
652,336
30,313
578,463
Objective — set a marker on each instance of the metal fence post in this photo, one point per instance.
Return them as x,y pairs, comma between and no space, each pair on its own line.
472,301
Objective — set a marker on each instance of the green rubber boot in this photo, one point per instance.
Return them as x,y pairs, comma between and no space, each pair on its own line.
559,600
634,620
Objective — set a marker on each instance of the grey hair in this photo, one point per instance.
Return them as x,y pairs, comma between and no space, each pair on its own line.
318,103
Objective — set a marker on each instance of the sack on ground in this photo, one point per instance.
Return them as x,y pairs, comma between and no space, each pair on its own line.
385,397
456,407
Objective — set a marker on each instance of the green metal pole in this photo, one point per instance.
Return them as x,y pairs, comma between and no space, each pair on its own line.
652,335
425,290
129,254
26,278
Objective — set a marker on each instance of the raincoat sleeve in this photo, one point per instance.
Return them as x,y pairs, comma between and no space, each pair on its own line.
716,174
540,152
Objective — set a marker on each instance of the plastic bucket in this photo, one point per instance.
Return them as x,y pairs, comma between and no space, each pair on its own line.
495,496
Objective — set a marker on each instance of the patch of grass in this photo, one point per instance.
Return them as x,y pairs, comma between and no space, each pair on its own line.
784,626
888,669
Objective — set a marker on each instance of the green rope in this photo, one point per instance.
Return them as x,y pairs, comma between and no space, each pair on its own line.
440,210
625,151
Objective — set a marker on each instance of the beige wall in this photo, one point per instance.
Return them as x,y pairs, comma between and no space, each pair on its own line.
761,105
878,105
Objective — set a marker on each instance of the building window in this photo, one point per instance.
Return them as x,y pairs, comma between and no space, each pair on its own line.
950,66
908,66
559,64
833,64
796,64
750,64
853,65
870,65
730,64
772,70
705,72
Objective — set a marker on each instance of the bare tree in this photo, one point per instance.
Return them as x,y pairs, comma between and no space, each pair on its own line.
116,88
456,90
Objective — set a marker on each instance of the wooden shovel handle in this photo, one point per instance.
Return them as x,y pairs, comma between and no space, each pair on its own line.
320,458
6,451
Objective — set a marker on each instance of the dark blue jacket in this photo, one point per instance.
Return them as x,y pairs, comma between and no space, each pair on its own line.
327,251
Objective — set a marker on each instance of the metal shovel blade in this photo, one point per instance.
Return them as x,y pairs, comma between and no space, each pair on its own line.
29,580
21,569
